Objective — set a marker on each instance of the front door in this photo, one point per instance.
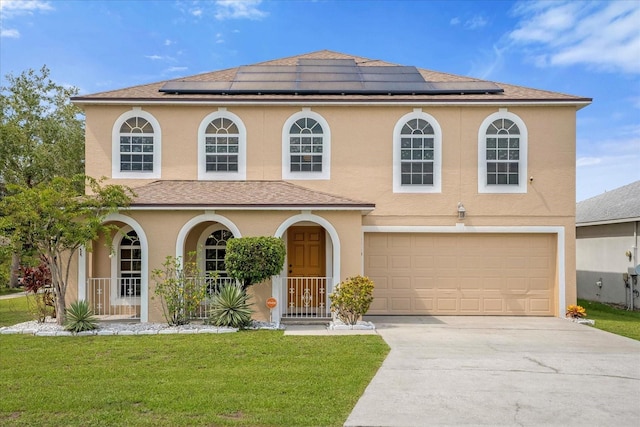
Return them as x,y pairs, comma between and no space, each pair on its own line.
306,282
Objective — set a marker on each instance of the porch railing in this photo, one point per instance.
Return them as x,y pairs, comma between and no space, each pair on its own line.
306,297
213,285
118,302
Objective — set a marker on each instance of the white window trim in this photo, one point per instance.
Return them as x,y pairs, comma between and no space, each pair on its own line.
241,174
157,146
483,187
115,269
437,158
326,148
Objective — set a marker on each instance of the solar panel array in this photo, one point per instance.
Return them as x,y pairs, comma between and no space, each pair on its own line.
328,76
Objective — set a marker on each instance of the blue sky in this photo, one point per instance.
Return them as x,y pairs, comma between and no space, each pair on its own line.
590,49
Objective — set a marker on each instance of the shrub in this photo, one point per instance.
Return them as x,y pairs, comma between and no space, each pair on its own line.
231,307
181,288
80,317
576,312
37,281
351,299
254,259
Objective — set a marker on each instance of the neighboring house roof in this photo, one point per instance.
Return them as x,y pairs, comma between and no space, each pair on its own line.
619,205
239,194
151,92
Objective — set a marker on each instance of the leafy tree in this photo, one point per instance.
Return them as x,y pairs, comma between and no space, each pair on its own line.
56,222
254,259
41,135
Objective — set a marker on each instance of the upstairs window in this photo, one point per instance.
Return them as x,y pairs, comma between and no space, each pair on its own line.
502,154
136,146
306,147
417,154
222,147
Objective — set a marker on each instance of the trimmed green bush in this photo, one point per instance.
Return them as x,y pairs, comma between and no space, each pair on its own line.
352,298
254,259
80,317
231,308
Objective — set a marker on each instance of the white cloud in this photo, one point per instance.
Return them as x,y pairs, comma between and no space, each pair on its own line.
239,9
475,22
11,33
588,161
160,57
168,42
196,12
11,8
561,33
175,69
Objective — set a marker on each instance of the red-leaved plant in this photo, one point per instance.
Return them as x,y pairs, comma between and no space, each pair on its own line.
37,281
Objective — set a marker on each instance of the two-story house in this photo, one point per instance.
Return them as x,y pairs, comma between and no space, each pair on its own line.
454,194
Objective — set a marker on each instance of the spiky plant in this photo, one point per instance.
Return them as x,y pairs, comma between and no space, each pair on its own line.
230,307
80,317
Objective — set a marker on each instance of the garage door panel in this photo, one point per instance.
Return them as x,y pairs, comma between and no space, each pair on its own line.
461,273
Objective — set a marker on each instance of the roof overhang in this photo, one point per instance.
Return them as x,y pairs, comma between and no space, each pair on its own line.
608,221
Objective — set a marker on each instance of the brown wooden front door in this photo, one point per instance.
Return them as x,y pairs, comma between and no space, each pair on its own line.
306,283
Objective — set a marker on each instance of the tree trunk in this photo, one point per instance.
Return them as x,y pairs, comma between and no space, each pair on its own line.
14,273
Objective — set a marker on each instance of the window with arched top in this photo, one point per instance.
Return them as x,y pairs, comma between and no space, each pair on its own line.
502,154
129,266
136,146
222,147
417,142
306,147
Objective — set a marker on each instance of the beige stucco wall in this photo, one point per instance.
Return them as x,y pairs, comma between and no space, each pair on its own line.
361,168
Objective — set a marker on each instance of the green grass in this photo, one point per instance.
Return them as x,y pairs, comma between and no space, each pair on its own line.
614,320
5,290
14,310
251,378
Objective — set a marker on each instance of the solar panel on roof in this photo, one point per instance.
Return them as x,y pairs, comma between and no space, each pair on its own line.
328,76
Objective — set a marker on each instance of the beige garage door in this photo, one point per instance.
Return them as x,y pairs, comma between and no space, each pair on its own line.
470,274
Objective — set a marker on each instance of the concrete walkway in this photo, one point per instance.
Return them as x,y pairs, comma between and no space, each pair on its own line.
496,371
11,296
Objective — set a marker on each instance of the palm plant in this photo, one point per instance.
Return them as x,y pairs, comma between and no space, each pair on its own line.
230,307
80,317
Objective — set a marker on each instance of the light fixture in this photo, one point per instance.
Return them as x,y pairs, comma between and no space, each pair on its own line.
461,211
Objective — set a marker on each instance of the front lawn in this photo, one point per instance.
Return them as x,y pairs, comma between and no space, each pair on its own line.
614,320
14,310
251,378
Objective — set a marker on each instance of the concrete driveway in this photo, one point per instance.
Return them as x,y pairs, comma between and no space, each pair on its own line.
497,371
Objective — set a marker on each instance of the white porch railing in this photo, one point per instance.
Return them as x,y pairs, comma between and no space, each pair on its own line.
213,285
118,302
306,297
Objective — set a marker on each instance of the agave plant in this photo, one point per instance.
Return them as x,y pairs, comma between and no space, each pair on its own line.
80,317
231,307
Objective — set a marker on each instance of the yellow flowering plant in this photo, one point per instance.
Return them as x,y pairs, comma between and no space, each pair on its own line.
576,312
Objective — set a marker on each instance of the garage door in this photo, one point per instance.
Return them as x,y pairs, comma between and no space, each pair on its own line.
462,274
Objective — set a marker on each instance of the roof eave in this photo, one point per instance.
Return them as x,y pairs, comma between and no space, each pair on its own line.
255,207
607,221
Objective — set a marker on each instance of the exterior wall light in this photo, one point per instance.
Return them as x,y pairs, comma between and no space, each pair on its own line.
462,212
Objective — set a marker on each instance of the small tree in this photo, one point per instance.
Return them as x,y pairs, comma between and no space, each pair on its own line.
37,281
181,287
56,222
254,259
352,298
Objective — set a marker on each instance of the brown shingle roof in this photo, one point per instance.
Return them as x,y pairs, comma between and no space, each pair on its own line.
150,92
239,194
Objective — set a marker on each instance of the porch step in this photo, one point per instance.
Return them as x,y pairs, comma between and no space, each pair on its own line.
305,321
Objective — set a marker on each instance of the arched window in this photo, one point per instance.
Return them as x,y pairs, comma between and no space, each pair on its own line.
417,154
502,154
129,266
215,249
306,147
222,147
136,146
